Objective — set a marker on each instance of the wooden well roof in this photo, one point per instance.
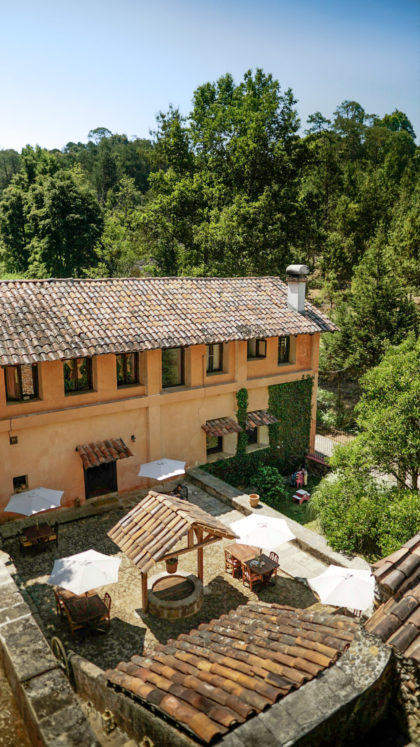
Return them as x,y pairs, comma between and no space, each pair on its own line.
218,676
155,525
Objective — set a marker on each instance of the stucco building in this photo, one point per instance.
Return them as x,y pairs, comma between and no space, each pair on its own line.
94,371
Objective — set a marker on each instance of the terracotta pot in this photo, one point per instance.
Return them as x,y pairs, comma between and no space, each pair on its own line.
172,566
254,500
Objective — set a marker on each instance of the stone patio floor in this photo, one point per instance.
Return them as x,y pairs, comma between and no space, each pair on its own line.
131,630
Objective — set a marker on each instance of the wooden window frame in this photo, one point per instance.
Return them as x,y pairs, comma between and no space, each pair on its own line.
35,384
258,341
215,449
252,436
210,368
74,364
136,369
285,357
18,488
182,368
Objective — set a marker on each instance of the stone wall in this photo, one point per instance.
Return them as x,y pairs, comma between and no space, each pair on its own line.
48,705
407,704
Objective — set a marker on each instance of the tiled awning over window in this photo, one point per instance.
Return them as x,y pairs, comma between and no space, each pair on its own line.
259,417
102,452
221,427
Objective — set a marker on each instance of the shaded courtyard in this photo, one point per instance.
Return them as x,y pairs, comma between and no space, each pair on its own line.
132,630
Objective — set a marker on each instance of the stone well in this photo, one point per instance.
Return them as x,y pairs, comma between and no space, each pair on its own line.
175,596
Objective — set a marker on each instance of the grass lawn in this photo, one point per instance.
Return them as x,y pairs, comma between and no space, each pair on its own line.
299,512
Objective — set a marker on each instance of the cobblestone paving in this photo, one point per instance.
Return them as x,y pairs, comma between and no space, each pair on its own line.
131,630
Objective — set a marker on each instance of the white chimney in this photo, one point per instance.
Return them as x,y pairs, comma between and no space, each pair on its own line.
297,276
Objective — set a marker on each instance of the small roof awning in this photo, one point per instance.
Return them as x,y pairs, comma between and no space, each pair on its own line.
259,417
221,427
102,452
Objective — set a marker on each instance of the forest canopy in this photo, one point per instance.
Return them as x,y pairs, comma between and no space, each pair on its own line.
235,187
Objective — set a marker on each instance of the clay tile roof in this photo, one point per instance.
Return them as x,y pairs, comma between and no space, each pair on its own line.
101,452
258,418
221,426
53,319
217,676
397,621
155,525
401,569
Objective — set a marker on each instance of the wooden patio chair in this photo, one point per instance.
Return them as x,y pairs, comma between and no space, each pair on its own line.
25,543
275,558
232,565
53,538
59,603
105,619
250,577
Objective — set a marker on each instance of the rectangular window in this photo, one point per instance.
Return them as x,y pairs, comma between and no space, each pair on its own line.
252,436
257,348
21,382
283,350
214,444
77,375
20,483
127,369
214,358
172,367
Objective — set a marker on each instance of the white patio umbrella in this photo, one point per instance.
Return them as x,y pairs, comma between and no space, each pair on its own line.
84,571
162,469
34,501
344,587
266,532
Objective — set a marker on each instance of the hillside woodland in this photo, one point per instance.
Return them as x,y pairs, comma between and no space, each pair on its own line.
235,188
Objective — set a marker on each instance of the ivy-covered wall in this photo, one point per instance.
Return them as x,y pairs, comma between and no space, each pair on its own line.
289,438
242,402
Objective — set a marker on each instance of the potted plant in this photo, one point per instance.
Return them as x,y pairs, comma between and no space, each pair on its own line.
254,500
171,565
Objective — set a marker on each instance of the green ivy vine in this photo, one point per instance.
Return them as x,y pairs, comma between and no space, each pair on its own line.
289,437
242,403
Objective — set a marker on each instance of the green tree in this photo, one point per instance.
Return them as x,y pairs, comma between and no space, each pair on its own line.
227,201
9,166
374,313
119,247
358,510
389,413
64,224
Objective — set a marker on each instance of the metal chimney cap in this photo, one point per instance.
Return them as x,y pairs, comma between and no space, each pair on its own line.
298,270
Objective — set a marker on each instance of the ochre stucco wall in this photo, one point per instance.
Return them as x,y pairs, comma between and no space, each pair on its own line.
164,422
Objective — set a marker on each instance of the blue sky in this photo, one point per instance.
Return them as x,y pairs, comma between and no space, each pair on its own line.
68,67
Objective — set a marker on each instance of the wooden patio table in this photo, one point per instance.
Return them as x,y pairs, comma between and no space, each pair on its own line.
247,554
243,552
38,532
85,611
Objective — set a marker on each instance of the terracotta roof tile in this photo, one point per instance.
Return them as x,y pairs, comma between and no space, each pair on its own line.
400,570
221,427
54,319
259,417
155,525
397,621
224,672
101,452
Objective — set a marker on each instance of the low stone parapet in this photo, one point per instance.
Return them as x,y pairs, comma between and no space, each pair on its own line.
50,709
